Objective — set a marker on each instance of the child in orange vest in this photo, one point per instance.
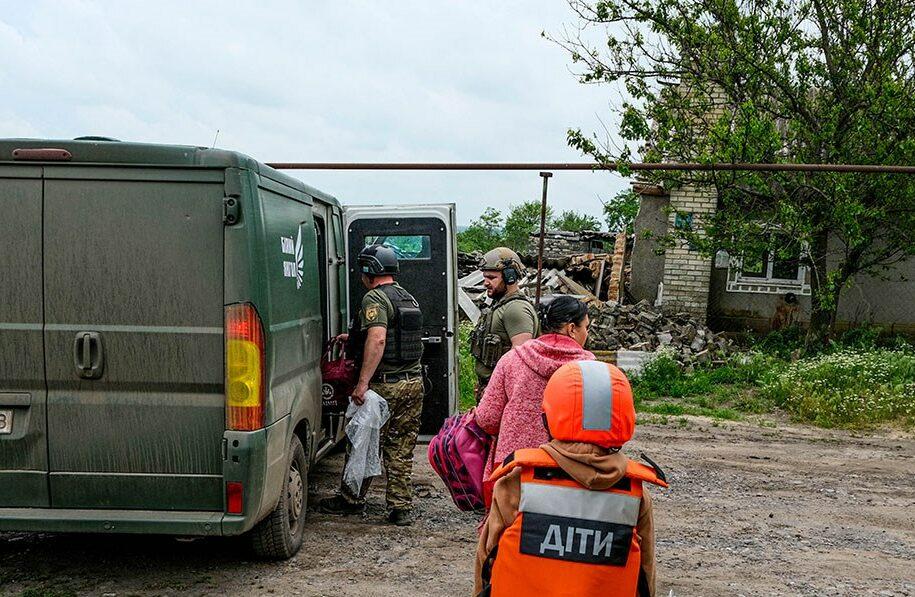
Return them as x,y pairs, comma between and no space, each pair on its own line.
571,517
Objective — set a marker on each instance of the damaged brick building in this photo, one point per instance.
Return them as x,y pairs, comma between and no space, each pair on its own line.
729,295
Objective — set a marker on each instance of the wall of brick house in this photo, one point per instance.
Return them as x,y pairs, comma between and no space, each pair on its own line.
687,273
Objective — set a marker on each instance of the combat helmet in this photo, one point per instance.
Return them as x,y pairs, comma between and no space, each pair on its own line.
503,259
378,260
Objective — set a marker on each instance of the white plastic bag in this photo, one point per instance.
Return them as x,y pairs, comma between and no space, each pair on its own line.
364,432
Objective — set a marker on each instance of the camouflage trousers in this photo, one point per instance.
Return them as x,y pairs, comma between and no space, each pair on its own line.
398,439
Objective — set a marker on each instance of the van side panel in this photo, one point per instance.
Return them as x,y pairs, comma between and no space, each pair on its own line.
293,322
136,256
23,452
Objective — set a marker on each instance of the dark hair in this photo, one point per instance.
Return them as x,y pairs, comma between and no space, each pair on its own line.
562,309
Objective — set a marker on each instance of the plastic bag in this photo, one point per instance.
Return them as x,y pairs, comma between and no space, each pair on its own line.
364,432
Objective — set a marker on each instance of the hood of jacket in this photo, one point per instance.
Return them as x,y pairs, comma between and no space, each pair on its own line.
546,354
592,466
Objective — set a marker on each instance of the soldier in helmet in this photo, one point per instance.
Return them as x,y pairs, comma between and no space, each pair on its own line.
386,339
510,321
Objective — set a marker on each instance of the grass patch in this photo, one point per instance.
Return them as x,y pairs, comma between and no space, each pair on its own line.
680,408
849,388
854,385
664,377
726,392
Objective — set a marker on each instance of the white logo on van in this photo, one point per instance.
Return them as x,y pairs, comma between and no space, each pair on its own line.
293,269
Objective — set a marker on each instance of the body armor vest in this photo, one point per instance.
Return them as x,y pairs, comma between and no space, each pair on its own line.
404,341
485,346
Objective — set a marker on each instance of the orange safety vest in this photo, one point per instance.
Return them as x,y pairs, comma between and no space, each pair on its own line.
567,539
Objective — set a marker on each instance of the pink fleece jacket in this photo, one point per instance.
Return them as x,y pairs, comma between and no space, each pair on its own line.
511,405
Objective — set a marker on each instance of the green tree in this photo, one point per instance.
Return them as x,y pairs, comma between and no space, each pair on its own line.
522,221
620,212
818,81
573,221
483,234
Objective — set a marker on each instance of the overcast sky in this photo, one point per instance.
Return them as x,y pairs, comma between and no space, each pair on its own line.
316,81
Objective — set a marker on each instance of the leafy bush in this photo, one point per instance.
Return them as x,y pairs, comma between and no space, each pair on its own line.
665,377
667,388
864,337
467,376
782,343
791,342
848,388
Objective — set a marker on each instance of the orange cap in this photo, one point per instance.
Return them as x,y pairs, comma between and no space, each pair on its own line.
590,401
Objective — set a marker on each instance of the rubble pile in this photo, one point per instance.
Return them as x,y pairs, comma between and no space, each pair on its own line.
472,293
641,327
468,263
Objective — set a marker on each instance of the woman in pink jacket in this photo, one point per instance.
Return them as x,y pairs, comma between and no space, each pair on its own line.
510,407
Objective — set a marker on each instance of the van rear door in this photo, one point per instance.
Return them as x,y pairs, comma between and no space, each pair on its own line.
23,441
423,237
133,297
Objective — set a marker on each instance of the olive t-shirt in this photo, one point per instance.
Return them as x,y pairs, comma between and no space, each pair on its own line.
378,311
516,317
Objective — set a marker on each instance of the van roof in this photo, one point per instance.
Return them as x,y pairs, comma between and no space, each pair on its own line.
101,150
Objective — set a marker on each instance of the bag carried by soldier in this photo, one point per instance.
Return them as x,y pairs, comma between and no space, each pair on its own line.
458,455
338,378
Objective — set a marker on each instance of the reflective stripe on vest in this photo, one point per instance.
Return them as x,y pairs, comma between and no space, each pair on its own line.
597,395
570,502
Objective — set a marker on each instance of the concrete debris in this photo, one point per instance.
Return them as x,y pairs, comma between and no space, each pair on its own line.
468,263
642,327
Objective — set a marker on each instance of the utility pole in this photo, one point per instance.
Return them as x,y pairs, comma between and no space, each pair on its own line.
546,177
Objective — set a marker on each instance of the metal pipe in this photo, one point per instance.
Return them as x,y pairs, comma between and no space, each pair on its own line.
668,166
546,177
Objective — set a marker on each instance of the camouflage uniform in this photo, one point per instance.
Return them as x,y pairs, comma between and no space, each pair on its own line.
398,439
405,403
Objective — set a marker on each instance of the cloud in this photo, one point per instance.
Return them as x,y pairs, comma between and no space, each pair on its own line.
290,81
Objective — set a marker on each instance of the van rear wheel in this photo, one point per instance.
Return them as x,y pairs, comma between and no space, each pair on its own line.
279,536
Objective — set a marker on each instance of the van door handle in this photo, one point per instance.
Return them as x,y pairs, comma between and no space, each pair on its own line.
89,355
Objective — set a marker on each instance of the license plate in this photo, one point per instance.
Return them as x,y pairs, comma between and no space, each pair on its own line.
6,421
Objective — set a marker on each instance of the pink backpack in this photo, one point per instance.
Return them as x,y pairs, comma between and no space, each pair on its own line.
458,455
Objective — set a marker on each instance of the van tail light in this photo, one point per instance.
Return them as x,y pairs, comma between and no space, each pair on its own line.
245,386
234,492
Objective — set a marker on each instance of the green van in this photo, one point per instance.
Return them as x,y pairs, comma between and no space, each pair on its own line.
162,315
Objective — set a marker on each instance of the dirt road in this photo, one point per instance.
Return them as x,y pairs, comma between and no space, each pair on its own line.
751,511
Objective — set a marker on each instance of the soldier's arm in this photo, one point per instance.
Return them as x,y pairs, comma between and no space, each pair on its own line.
375,339
519,322
519,339
373,318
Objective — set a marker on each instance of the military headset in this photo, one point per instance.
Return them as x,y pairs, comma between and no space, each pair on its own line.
509,273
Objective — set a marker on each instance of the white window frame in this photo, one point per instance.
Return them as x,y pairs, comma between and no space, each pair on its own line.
767,284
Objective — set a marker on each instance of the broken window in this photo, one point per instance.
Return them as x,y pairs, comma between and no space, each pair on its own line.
775,269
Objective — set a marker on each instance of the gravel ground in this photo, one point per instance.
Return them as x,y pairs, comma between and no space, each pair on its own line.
752,510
